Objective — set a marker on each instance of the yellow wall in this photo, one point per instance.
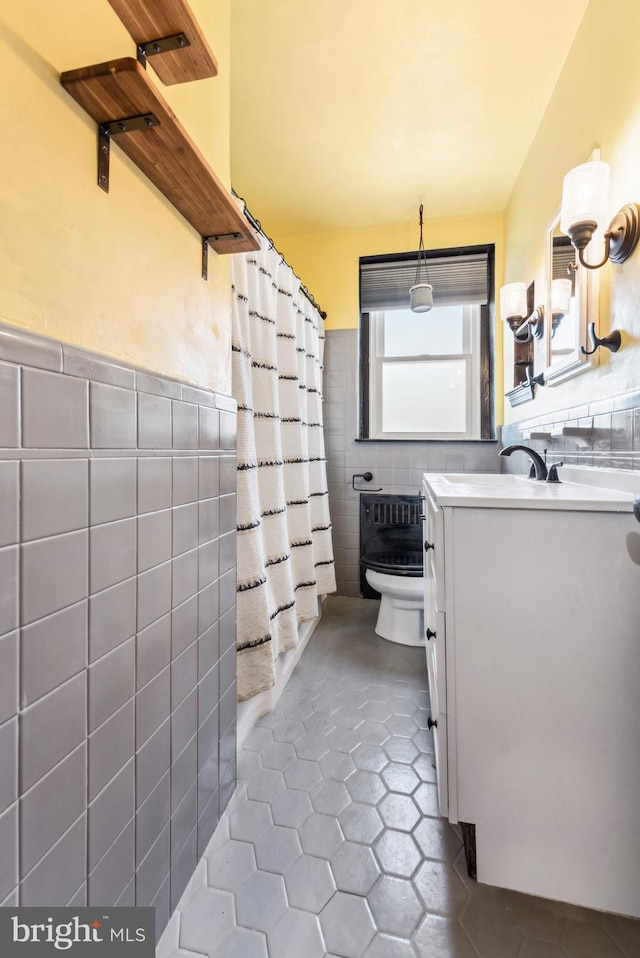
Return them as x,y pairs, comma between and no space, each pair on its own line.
116,273
596,102
328,263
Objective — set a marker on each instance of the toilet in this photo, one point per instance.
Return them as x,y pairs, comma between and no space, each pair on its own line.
391,565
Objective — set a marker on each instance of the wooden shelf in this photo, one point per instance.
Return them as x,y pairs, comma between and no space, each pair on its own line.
148,20
165,153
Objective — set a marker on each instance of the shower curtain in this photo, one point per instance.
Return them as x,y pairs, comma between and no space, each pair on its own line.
285,552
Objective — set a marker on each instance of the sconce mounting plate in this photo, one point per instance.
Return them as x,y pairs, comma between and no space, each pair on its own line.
524,328
536,321
625,232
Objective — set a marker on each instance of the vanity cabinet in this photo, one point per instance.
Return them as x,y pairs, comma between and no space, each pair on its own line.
532,620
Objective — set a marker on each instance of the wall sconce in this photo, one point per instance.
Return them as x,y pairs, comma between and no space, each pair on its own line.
513,309
584,205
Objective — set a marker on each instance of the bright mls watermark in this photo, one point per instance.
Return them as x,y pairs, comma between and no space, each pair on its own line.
78,932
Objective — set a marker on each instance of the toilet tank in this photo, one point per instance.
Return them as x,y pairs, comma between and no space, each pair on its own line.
388,523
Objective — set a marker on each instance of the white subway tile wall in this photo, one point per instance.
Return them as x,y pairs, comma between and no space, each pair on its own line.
612,440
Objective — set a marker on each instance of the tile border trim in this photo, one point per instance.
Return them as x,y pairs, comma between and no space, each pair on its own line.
25,348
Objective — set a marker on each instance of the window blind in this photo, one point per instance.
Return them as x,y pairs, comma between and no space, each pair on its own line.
564,256
457,279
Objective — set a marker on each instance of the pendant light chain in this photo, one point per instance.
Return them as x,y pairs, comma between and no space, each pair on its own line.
421,253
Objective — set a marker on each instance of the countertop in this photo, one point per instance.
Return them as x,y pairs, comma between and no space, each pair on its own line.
589,490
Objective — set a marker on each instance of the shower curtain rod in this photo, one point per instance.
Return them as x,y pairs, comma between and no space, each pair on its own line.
258,226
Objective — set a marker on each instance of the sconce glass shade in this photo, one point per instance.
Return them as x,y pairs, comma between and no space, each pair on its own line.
513,301
560,296
584,196
421,297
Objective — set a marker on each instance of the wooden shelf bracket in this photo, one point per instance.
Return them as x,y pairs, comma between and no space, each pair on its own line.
122,100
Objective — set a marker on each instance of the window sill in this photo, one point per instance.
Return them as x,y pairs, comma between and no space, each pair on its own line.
441,442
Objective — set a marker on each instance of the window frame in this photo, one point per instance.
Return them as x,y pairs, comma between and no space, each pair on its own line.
485,384
470,355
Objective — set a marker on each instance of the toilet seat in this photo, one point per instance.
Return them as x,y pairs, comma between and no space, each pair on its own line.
394,563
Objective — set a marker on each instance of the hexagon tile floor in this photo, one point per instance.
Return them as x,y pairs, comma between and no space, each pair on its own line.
332,845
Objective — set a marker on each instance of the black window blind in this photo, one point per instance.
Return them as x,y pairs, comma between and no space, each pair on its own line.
457,279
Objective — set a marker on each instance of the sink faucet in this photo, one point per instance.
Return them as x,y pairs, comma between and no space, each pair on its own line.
538,468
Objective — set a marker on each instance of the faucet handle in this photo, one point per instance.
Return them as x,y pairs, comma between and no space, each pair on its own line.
553,471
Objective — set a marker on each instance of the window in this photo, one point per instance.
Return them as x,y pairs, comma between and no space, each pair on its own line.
424,381
426,376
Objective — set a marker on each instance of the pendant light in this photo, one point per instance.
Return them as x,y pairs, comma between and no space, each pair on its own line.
421,293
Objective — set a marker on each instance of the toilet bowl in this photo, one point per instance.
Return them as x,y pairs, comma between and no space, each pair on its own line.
399,581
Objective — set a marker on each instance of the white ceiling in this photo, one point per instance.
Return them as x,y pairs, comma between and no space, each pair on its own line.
349,113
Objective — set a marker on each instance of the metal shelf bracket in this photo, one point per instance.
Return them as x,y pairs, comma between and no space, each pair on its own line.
150,48
106,130
205,248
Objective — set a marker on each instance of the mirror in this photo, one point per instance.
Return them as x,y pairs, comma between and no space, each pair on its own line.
571,303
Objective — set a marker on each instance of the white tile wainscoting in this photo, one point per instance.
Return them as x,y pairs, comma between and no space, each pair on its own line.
117,627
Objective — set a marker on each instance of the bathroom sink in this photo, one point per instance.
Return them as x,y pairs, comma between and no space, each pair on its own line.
509,491
487,480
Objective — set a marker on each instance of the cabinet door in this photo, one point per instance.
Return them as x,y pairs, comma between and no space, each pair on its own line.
436,644
434,549
439,732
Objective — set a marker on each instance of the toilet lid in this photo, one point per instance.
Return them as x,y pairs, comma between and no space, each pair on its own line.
394,563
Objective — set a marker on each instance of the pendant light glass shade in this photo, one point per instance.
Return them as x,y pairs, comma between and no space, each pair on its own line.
421,298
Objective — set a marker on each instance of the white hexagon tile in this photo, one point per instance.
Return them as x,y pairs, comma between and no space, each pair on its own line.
332,846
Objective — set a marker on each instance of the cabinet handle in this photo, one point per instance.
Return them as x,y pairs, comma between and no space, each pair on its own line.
430,634
431,724
428,545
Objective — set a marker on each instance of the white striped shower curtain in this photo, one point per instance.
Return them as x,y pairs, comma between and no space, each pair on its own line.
285,552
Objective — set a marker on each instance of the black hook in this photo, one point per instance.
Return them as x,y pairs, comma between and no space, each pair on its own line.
532,381
611,342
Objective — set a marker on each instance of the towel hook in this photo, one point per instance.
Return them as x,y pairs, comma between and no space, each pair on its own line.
611,342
